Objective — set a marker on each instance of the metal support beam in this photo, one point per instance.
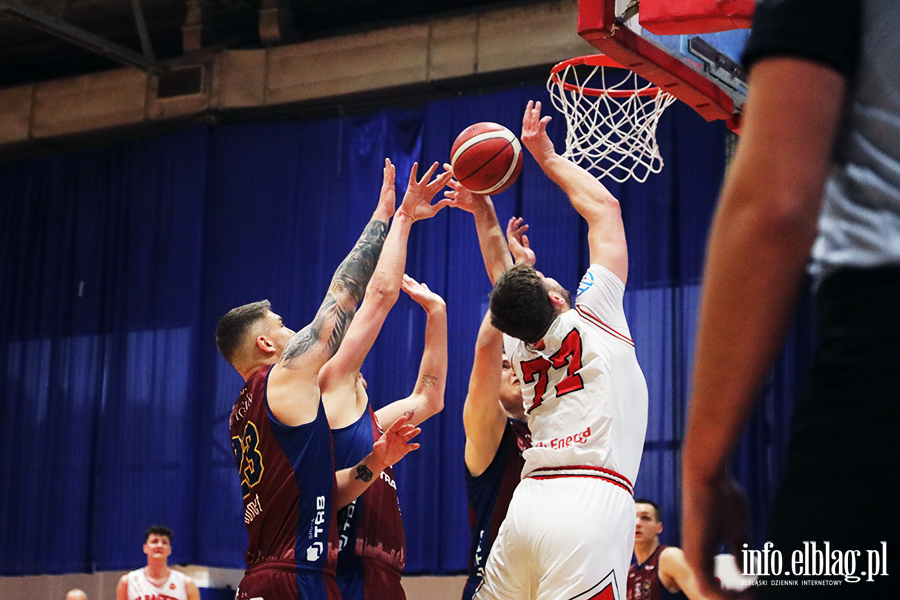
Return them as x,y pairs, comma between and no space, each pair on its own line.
141,24
79,37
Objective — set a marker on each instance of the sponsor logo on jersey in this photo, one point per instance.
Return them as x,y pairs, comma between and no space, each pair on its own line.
561,443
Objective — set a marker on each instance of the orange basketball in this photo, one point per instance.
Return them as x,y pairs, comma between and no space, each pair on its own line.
486,158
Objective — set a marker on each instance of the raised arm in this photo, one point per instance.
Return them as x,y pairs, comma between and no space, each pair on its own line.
337,378
759,245
490,234
483,416
606,234
292,390
427,398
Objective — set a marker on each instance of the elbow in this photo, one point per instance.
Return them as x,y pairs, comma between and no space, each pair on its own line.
430,405
382,291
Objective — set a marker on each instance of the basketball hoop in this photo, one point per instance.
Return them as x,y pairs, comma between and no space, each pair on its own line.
612,125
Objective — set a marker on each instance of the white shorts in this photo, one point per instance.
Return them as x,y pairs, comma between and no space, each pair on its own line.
562,539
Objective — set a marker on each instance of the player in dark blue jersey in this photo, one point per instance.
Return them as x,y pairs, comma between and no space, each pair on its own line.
493,414
496,436
281,438
372,544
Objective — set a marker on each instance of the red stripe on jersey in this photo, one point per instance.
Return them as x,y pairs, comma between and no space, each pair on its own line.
589,316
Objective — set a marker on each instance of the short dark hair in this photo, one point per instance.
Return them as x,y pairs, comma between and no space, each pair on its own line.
520,304
656,510
158,530
234,325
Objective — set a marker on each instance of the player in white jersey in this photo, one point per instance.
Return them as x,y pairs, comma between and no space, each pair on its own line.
569,532
157,581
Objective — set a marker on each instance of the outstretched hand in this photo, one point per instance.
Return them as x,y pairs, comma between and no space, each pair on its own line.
416,203
519,245
419,292
460,197
394,443
534,133
387,200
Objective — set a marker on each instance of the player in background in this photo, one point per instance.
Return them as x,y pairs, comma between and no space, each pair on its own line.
661,572
493,414
157,580
372,543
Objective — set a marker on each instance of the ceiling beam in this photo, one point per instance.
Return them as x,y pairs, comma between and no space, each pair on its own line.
75,35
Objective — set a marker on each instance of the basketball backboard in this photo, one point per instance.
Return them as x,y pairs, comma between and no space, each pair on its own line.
701,69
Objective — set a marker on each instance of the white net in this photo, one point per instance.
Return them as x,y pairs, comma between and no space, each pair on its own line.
611,119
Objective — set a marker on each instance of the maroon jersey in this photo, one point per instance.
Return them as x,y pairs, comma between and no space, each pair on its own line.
287,479
643,581
373,546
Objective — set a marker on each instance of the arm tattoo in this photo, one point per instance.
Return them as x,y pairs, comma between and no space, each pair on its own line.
363,473
353,274
303,340
339,306
306,338
342,322
428,380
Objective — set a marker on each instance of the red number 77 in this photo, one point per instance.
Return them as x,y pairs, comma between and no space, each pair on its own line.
568,355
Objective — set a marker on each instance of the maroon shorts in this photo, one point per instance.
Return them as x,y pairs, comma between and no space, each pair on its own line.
278,583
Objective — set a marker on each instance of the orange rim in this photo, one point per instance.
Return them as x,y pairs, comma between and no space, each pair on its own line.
596,60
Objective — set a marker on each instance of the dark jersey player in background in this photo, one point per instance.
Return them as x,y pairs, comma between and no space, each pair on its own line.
281,438
372,543
494,414
660,572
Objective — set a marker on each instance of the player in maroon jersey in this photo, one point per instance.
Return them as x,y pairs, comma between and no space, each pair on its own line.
281,438
661,572
372,543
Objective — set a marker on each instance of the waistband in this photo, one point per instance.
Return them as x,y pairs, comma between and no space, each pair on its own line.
584,471
286,566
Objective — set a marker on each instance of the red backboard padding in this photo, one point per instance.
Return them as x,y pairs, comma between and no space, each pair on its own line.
679,17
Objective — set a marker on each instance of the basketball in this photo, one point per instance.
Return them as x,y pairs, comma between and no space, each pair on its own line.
486,158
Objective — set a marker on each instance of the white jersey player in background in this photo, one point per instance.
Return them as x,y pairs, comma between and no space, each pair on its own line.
569,532
157,580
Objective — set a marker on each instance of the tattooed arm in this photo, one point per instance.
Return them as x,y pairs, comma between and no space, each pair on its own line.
338,379
292,391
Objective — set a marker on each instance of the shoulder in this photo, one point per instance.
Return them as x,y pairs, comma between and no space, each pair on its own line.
671,555
600,279
825,31
673,566
122,586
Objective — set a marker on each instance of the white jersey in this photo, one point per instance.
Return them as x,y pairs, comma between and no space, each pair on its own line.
140,588
583,389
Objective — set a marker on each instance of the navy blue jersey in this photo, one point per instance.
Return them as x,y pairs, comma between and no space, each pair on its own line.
287,480
372,543
489,495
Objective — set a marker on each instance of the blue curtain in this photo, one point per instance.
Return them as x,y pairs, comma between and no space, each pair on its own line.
117,263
